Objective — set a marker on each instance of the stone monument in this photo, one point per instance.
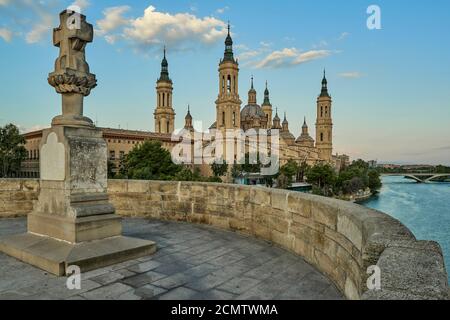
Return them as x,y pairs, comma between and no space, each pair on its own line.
73,222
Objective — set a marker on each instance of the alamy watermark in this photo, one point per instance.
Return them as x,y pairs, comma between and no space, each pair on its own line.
73,277
232,146
374,20
74,20
374,280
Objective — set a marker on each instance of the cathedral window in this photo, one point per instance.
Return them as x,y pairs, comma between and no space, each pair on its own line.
168,127
321,136
229,84
234,119
321,111
164,99
223,84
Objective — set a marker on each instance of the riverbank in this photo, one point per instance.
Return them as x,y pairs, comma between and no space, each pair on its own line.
423,208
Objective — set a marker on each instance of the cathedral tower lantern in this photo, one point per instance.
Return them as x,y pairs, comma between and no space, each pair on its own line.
324,123
188,120
267,107
276,121
164,113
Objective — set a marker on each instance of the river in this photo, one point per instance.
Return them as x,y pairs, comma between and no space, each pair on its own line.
423,208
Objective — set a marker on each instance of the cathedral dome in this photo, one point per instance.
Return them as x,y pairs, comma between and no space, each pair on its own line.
252,111
286,135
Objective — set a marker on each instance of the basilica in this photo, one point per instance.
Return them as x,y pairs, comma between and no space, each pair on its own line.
229,115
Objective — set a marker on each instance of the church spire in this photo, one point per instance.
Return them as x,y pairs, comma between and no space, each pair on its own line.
164,68
324,92
252,94
266,97
229,56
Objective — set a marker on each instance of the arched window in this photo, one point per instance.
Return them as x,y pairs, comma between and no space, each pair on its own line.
164,99
234,118
321,137
321,111
168,127
234,84
223,84
223,118
229,84
326,111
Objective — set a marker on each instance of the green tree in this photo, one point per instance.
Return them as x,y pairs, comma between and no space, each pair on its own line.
219,169
12,151
322,176
352,186
283,182
374,180
149,161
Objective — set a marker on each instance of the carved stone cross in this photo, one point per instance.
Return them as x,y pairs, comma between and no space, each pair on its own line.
72,77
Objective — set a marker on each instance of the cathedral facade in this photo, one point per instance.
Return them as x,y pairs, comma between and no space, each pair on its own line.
230,115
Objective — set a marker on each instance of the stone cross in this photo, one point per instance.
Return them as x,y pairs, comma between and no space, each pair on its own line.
71,38
72,77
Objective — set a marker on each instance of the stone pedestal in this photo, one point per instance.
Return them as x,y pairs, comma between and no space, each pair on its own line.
73,222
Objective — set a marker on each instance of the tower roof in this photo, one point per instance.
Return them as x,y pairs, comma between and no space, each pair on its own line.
266,97
276,118
285,119
188,115
164,68
324,92
305,126
252,88
228,55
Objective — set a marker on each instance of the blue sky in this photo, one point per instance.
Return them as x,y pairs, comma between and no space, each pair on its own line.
391,87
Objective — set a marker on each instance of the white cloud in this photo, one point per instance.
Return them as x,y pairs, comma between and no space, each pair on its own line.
6,34
343,36
158,27
113,20
179,31
290,57
351,75
222,10
4,2
321,44
39,30
82,4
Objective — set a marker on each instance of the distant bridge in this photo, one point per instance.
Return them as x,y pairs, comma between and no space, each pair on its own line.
419,177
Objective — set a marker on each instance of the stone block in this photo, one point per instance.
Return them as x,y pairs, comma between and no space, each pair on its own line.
325,213
135,186
297,204
350,230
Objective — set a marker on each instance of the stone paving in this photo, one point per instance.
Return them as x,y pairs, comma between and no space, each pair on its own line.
192,262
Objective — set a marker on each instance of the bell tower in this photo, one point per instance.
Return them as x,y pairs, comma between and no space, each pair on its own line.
164,113
228,103
324,123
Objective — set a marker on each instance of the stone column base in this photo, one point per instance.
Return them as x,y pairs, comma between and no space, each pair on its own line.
56,256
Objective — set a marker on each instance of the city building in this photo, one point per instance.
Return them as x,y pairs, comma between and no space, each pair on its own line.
229,115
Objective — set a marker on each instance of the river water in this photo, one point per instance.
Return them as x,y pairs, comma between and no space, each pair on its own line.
423,208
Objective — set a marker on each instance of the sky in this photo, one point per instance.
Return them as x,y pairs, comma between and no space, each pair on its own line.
390,86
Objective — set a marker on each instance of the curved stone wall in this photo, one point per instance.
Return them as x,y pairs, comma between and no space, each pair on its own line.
339,238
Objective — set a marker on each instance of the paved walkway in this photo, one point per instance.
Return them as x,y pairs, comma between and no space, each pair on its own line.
192,262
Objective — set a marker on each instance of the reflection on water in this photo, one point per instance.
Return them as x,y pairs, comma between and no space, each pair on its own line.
423,208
